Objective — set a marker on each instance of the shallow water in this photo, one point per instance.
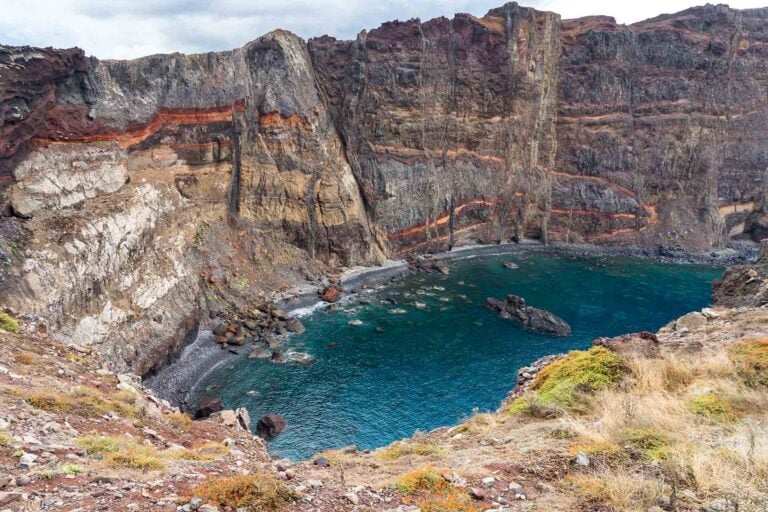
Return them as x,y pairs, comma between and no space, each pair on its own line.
398,373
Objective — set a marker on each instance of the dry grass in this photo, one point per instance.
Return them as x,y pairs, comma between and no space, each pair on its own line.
430,489
257,492
205,452
24,358
180,420
122,452
405,448
84,401
621,491
5,439
702,417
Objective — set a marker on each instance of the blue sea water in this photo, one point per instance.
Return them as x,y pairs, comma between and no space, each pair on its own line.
399,373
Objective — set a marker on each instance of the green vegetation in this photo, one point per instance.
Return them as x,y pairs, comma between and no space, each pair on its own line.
5,439
180,420
713,406
206,452
605,450
8,323
751,360
652,444
71,469
566,382
257,492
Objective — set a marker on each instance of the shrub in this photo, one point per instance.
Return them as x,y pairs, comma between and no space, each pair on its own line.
751,359
180,420
620,491
8,323
653,445
87,402
401,449
258,492
432,492
5,440
24,358
605,450
712,406
565,382
531,404
71,469
206,452
122,452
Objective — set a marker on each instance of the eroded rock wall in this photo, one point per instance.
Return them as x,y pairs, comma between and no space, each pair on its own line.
138,195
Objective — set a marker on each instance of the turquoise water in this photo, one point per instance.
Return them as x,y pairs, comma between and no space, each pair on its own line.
398,373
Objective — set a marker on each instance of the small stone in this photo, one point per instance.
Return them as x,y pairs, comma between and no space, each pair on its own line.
477,494
8,497
229,418
322,462
133,507
27,460
488,481
352,497
314,484
690,321
582,459
515,487
710,313
195,503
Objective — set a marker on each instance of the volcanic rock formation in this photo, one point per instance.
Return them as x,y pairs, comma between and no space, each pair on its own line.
141,195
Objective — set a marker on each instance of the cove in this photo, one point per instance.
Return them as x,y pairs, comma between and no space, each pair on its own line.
433,365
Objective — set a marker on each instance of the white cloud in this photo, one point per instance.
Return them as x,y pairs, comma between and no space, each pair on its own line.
131,28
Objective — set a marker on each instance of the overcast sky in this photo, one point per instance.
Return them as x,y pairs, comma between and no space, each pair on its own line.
132,28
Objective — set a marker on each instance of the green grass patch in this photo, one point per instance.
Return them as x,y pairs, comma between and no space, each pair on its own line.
751,359
5,439
566,383
71,469
86,402
8,323
604,450
652,444
122,452
712,406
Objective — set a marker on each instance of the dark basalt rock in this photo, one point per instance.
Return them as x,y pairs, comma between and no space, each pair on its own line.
534,319
744,285
209,407
270,425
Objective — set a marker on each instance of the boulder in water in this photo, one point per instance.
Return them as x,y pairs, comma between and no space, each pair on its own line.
510,265
270,425
535,319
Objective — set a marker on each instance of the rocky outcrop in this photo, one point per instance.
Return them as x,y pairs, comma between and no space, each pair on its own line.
141,196
638,344
534,319
744,285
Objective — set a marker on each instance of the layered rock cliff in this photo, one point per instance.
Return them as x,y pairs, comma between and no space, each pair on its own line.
137,195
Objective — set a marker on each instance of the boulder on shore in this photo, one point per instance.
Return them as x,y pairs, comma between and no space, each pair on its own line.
270,425
208,407
535,319
331,294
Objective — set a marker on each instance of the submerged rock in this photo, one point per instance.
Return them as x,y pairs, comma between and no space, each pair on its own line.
270,425
510,265
535,319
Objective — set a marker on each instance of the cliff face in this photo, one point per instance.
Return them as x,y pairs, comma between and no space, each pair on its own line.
131,189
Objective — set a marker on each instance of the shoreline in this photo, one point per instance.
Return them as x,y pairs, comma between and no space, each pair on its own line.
180,380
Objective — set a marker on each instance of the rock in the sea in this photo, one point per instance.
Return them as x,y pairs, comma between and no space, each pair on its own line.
643,344
295,325
209,407
510,265
270,425
331,294
535,319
